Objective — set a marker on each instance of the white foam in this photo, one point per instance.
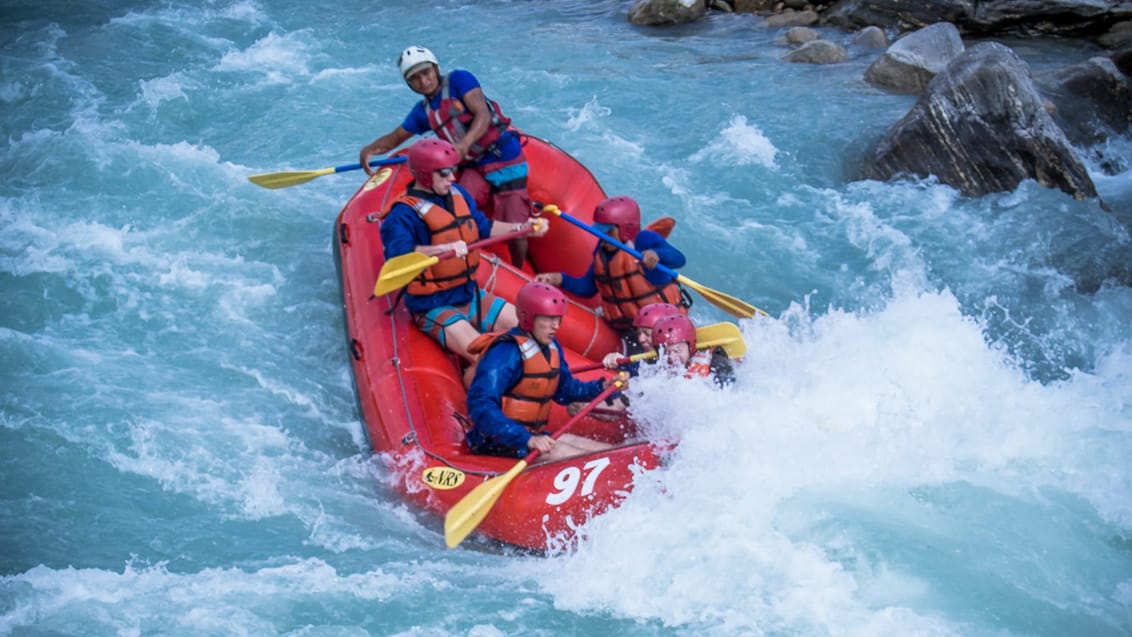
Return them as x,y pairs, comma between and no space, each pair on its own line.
277,57
739,143
842,404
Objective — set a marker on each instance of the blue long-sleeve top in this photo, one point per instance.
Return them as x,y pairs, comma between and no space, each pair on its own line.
586,286
498,370
403,230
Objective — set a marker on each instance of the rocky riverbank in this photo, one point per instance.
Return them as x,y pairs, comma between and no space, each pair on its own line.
983,122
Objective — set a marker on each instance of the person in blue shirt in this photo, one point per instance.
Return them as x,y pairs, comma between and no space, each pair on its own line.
519,373
435,216
491,154
626,284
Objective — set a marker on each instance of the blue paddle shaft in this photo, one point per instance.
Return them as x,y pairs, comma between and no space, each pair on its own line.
400,159
608,239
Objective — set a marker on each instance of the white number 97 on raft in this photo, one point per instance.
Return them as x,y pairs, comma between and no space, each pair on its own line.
567,481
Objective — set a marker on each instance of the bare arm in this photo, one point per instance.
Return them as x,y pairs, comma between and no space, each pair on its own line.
382,145
477,104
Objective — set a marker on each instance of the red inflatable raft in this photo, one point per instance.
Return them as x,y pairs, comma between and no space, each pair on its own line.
410,390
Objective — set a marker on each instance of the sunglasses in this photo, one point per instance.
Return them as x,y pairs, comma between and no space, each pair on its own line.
446,172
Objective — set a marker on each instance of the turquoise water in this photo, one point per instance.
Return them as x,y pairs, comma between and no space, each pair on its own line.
930,435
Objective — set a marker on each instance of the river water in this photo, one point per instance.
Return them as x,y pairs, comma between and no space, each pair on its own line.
930,434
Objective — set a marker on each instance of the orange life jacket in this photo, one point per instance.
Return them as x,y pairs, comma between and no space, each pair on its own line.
445,227
451,120
624,290
699,364
528,402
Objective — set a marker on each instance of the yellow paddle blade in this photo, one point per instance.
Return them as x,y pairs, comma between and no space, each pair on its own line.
288,178
463,518
725,335
725,302
399,271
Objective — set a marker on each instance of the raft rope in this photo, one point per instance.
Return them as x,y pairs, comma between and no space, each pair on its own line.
489,286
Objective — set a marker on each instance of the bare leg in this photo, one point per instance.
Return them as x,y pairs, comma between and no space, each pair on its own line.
569,445
518,249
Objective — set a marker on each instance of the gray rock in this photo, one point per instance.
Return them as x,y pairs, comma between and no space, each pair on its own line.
981,128
801,35
666,12
904,15
1084,18
790,18
1122,58
818,52
913,60
1093,100
752,6
871,38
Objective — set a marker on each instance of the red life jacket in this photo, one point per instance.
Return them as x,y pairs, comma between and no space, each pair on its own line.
451,120
445,227
624,290
528,402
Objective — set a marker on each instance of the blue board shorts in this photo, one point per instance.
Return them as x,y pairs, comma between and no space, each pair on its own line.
484,305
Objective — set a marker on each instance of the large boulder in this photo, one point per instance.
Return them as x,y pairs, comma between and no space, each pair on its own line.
912,61
900,14
974,17
1092,98
666,12
981,128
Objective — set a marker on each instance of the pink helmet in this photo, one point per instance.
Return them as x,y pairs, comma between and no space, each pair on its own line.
538,299
648,315
428,156
620,211
674,329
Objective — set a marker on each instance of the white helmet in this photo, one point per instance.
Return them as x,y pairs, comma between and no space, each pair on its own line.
413,60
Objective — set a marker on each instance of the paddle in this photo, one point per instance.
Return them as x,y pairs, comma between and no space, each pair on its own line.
290,178
725,302
725,335
466,515
397,272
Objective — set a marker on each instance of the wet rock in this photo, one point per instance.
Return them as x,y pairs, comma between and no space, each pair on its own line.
871,37
818,52
981,128
1119,36
912,61
791,18
1083,18
752,6
1093,100
1122,58
666,12
801,35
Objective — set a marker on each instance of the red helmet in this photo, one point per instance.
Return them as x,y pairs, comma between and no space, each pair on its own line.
538,299
674,329
648,315
620,211
428,156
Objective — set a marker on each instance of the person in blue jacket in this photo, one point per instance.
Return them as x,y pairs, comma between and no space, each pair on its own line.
435,216
625,283
494,167
519,373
